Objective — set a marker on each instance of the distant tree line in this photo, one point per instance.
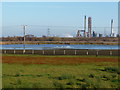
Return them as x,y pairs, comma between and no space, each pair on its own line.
19,38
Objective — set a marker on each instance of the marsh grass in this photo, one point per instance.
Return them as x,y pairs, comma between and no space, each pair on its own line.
83,75
65,76
112,69
60,76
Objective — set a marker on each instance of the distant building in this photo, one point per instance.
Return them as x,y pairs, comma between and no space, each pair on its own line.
44,36
118,35
29,36
100,35
94,34
78,34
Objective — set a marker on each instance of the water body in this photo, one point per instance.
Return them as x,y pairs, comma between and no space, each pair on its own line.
56,46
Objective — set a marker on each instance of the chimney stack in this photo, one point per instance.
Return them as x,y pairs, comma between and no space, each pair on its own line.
85,26
89,26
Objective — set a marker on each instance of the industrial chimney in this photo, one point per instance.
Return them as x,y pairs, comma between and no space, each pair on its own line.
89,26
112,29
85,26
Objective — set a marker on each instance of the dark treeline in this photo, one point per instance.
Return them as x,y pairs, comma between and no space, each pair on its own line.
19,38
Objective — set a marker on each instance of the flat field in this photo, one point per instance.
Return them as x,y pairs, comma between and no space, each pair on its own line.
35,71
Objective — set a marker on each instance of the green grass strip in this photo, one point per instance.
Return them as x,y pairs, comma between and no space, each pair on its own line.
35,55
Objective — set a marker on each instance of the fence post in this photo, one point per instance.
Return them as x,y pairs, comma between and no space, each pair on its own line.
64,52
32,51
24,51
14,51
5,51
75,52
97,53
87,52
43,52
110,52
54,52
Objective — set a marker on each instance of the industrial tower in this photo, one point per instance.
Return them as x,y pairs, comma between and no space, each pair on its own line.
85,26
112,29
89,26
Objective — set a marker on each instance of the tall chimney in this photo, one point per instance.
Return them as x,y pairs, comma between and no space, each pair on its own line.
89,26
112,31
85,26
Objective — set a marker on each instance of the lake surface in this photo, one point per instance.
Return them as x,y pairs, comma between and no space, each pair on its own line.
57,46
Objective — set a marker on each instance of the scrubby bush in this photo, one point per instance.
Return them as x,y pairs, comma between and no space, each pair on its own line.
91,76
58,85
105,78
71,82
19,82
17,75
112,69
65,76
82,80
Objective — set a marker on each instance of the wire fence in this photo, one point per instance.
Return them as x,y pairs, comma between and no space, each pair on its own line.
64,52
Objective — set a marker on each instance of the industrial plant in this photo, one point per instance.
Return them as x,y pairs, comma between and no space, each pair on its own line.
89,33
85,31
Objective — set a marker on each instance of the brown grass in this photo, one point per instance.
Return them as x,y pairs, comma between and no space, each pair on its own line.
55,60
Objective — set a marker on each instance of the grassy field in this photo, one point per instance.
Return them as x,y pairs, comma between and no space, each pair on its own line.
60,71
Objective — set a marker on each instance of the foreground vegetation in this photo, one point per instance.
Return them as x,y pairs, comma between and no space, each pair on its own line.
81,75
37,55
